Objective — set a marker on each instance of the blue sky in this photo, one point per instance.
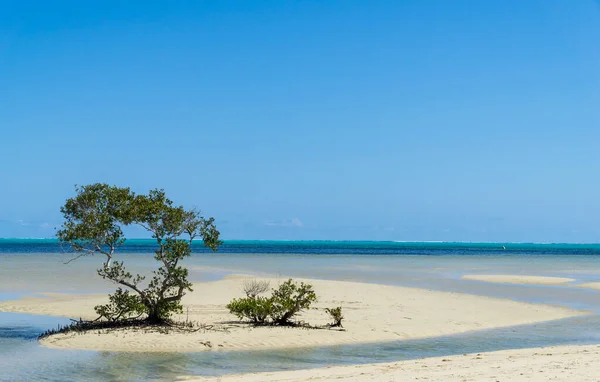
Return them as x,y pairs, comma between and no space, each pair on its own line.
366,120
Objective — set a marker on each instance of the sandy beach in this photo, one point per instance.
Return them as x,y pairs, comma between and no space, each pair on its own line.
561,363
373,313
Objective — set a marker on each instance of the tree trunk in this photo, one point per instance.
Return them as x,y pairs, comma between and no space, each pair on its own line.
285,319
153,315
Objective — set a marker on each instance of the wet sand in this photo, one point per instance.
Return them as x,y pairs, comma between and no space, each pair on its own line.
561,363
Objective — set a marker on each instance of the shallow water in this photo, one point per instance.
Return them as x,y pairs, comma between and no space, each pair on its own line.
21,358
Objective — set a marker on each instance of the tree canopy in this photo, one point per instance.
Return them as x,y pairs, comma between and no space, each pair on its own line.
93,224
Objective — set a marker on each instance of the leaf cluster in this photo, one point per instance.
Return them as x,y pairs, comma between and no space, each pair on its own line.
122,305
336,315
256,309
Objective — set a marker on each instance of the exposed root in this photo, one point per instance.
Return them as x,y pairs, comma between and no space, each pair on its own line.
165,327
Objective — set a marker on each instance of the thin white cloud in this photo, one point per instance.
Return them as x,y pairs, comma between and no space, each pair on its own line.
297,223
383,228
294,222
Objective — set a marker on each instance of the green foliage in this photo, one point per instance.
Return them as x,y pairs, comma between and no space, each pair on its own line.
93,225
290,299
256,309
336,315
284,303
122,306
92,219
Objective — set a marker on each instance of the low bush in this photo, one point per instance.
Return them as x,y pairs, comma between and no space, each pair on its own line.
290,299
336,316
255,309
285,302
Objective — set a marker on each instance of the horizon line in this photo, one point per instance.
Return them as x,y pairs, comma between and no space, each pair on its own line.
347,241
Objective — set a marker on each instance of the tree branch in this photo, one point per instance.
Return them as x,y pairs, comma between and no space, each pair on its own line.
176,297
132,286
78,256
108,255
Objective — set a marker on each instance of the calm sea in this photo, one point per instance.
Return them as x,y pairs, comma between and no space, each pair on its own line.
331,247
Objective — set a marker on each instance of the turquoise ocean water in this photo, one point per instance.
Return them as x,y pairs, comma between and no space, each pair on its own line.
332,247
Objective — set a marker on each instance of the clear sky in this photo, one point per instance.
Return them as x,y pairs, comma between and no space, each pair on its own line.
367,120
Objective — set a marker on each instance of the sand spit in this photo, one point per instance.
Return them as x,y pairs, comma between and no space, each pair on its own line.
519,279
592,285
373,313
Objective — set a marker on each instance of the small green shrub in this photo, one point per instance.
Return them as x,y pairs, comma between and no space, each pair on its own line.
336,316
285,302
290,299
255,309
